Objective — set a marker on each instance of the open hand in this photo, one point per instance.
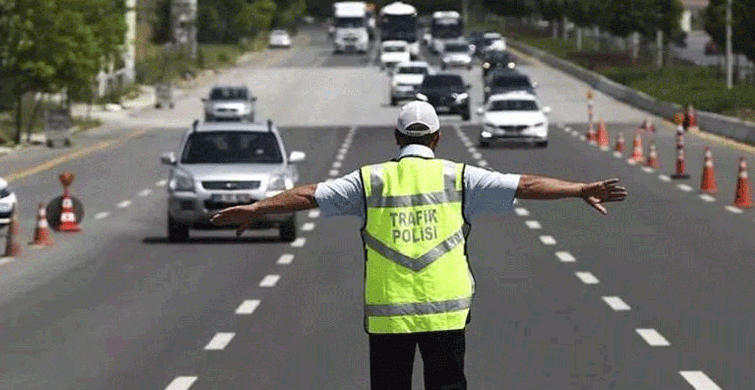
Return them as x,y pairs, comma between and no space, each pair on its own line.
241,216
597,193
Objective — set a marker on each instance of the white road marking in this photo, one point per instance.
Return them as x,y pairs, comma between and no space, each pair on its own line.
616,303
270,281
632,162
575,134
583,138
618,154
565,257
548,240
735,210
653,338
482,163
568,128
248,307
587,278
145,192
308,227
299,242
534,225
684,187
699,380
181,383
315,213
340,157
648,170
6,260
604,148
707,198
286,259
337,164
333,172
219,341
472,150
522,212
124,204
102,215
161,183
665,178
343,150
477,156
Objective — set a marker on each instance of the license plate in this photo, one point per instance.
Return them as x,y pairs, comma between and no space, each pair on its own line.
231,198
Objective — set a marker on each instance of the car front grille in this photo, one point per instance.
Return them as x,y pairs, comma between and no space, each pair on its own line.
513,128
231,185
216,205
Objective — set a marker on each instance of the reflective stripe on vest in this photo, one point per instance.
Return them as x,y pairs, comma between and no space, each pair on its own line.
417,278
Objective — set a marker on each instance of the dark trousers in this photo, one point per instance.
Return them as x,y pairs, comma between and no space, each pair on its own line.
392,360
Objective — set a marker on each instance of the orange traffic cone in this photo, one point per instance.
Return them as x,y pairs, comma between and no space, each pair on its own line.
619,148
708,182
743,200
68,221
652,161
636,148
602,137
12,246
42,231
681,159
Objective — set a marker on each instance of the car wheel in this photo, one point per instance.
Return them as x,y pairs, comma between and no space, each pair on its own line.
443,67
484,144
542,144
177,232
287,230
465,115
393,101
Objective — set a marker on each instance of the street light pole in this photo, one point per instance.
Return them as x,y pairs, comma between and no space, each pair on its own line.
729,49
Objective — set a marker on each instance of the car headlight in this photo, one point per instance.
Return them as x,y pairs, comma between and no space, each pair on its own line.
279,184
486,65
446,59
181,180
511,65
486,134
461,96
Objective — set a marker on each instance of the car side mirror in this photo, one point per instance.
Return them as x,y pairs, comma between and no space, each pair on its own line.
480,111
168,158
296,157
546,110
254,98
534,84
468,86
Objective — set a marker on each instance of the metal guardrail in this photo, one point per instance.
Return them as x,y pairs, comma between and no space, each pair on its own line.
708,121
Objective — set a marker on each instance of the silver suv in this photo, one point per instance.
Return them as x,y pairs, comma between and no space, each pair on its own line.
227,164
229,103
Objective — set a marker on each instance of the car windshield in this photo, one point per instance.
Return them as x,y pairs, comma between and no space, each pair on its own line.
231,147
442,81
496,55
228,94
279,33
349,22
488,41
456,48
512,81
512,105
393,49
412,70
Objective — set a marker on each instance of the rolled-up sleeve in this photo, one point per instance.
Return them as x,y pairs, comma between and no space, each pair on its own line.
488,192
341,197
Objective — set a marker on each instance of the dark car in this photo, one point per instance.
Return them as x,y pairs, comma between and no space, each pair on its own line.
497,59
502,81
475,38
447,92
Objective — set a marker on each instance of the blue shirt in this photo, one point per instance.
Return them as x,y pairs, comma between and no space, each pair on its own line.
485,191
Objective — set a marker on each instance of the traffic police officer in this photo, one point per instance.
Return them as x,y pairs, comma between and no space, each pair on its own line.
415,208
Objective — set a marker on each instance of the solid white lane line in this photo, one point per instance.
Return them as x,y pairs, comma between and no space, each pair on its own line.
314,213
299,242
684,187
616,303
653,338
548,240
665,178
534,225
248,307
161,183
270,281
587,278
286,259
522,212
333,172
308,227
124,204
707,198
219,341
565,257
735,210
482,163
648,170
145,192
337,164
699,380
102,215
181,383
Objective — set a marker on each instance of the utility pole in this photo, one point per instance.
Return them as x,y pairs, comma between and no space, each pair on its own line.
729,49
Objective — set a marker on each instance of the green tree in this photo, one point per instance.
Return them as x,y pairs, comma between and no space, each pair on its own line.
743,17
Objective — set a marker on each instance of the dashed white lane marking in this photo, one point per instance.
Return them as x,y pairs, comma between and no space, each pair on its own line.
102,215
181,383
653,338
665,178
699,380
616,303
299,242
248,307
522,212
482,163
161,183
471,150
314,213
632,162
684,187
333,172
707,198
6,260
219,341
269,280
308,227
477,156
337,164
735,210
285,259
534,225
548,240
604,148
340,157
565,257
575,134
582,138
648,170
618,155
587,278
145,192
124,204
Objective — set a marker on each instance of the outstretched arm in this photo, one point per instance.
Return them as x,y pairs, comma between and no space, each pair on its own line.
595,194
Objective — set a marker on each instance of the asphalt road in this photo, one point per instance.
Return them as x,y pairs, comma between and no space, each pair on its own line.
566,298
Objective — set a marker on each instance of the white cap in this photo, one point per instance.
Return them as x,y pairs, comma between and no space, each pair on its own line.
418,112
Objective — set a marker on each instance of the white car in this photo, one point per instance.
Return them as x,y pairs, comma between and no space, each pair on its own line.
493,41
8,203
407,77
393,52
514,116
279,38
457,54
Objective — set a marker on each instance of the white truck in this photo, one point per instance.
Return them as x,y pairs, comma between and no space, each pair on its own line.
350,29
445,26
398,22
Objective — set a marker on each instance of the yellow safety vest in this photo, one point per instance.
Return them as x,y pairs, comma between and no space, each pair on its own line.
417,277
